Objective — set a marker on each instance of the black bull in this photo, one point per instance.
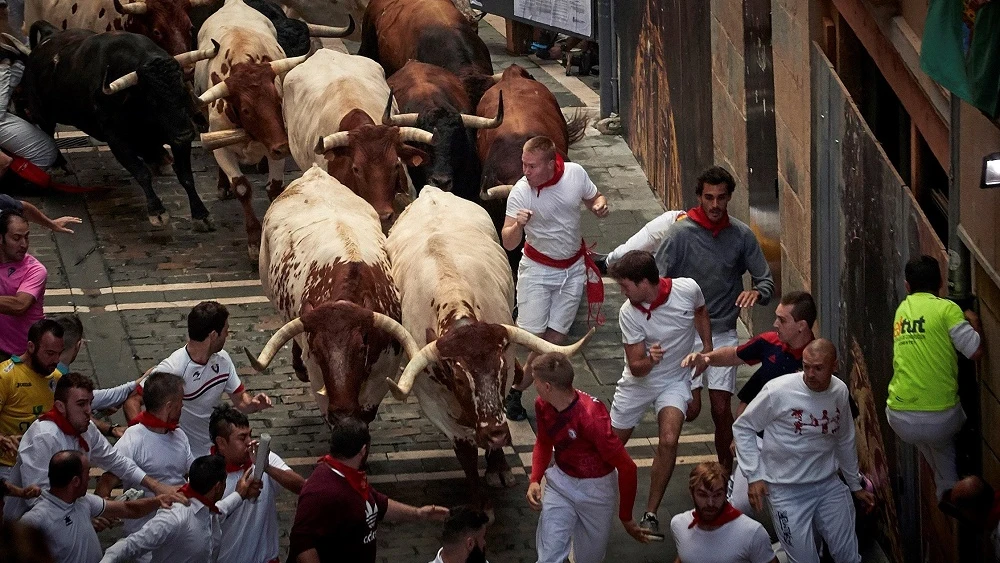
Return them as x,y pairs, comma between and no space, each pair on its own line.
65,81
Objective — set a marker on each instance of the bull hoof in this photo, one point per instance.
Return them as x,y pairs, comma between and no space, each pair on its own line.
160,220
205,225
226,193
493,480
508,478
162,170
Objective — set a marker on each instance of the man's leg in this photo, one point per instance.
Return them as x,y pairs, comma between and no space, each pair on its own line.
792,510
557,521
739,491
670,420
722,416
933,434
596,504
533,302
835,520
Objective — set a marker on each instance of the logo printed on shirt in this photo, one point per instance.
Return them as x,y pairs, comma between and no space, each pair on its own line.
22,384
826,423
10,271
215,368
196,376
68,521
572,434
371,515
907,326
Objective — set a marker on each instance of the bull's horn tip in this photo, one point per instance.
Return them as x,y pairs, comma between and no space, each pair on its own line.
397,393
253,360
320,146
215,51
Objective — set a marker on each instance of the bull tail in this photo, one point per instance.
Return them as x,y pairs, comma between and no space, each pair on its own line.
576,126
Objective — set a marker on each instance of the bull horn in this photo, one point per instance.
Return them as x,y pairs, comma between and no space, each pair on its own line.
425,357
134,8
291,329
387,114
339,139
415,135
127,81
282,66
330,31
404,119
539,345
497,76
201,3
16,43
218,139
191,57
214,93
496,192
388,324
476,122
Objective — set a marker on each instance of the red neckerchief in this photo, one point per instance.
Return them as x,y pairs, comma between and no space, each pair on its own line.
697,214
556,176
149,421
355,478
187,491
728,514
65,426
231,467
662,295
595,285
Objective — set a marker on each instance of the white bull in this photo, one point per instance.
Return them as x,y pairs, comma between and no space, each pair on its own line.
323,266
457,296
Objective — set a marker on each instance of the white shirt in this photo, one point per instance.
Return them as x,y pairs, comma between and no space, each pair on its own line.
71,536
648,238
164,457
671,325
808,435
179,534
438,558
250,532
743,540
203,387
43,440
554,227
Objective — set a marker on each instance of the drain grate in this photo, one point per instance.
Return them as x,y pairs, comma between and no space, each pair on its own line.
73,142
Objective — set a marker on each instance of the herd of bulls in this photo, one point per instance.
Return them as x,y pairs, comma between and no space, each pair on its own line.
361,271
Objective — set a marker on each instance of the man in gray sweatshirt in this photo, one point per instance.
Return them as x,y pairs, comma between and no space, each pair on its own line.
716,250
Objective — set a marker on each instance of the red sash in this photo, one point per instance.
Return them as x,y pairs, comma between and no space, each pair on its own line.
149,421
697,214
187,491
65,426
595,285
661,297
728,514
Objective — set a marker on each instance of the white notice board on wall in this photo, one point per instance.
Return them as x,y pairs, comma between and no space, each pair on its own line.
573,17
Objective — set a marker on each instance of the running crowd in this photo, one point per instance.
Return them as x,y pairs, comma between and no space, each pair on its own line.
199,487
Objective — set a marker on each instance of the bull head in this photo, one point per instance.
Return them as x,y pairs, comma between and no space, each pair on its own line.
470,121
137,8
429,355
330,31
192,57
279,67
119,84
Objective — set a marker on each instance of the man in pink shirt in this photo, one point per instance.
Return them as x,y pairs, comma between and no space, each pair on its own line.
22,285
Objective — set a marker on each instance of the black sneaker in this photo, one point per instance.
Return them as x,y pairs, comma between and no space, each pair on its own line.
601,260
651,524
513,405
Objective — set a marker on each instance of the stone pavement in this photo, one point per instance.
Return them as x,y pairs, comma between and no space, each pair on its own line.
133,286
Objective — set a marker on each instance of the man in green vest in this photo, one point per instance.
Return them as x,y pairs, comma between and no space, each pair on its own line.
928,332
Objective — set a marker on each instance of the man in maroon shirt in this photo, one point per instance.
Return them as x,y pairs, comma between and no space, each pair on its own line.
339,512
581,487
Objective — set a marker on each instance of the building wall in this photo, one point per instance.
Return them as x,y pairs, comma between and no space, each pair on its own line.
792,22
729,98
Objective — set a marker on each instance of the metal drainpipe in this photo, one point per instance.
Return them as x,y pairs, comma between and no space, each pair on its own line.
608,43
959,267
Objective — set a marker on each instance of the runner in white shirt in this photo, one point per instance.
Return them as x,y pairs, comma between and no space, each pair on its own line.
192,533
714,531
153,441
68,427
544,208
648,238
808,436
64,511
208,372
464,536
659,321
250,532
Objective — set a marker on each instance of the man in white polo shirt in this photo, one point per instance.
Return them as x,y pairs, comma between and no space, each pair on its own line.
153,440
659,321
544,208
250,531
208,372
64,511
715,531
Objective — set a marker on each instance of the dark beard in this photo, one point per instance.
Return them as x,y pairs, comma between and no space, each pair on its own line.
478,555
39,369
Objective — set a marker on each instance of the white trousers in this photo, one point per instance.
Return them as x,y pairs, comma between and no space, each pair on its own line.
933,434
800,512
577,513
738,493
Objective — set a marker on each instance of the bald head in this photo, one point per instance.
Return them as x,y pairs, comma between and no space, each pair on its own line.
973,499
819,362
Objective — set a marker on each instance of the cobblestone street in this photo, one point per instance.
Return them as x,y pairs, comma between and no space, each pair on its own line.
133,286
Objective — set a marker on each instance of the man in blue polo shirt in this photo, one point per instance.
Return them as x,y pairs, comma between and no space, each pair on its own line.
779,352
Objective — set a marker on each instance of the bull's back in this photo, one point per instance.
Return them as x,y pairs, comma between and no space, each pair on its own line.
317,94
315,222
433,31
421,86
95,15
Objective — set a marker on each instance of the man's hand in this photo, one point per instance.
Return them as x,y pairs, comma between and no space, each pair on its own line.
600,207
157,487
696,360
523,216
747,298
60,224
166,501
640,535
757,491
535,496
433,512
866,499
9,444
655,354
247,486
100,523
260,402
31,491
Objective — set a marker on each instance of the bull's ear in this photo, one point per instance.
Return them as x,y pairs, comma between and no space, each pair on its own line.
307,307
337,152
430,335
411,156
